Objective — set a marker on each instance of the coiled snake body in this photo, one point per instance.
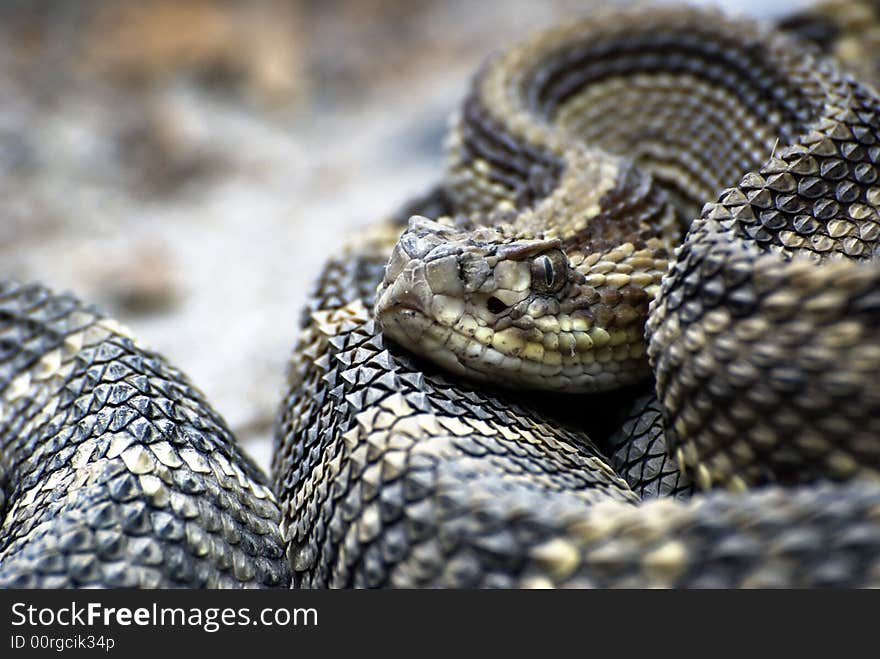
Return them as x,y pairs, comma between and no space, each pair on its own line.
578,161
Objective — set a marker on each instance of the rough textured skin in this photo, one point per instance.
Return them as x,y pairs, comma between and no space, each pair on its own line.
774,294
764,338
115,472
637,451
763,335
391,475
577,158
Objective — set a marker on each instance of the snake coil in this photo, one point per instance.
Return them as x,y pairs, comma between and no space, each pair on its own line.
579,161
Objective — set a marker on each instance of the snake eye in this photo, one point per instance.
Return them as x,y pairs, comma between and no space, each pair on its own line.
549,272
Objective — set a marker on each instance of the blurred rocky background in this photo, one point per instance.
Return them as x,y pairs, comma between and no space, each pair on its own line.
188,164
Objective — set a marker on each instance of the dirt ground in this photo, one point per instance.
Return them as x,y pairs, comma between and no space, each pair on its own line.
187,165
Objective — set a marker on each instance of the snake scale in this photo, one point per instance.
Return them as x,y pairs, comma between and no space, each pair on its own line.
664,193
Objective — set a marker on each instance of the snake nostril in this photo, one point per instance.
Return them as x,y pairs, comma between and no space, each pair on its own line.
494,305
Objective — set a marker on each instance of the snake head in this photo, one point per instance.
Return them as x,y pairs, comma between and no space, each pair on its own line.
489,304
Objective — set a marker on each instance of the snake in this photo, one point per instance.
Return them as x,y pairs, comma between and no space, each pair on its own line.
630,339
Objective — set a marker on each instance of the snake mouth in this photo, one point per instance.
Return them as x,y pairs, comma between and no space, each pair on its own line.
404,324
461,353
402,305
